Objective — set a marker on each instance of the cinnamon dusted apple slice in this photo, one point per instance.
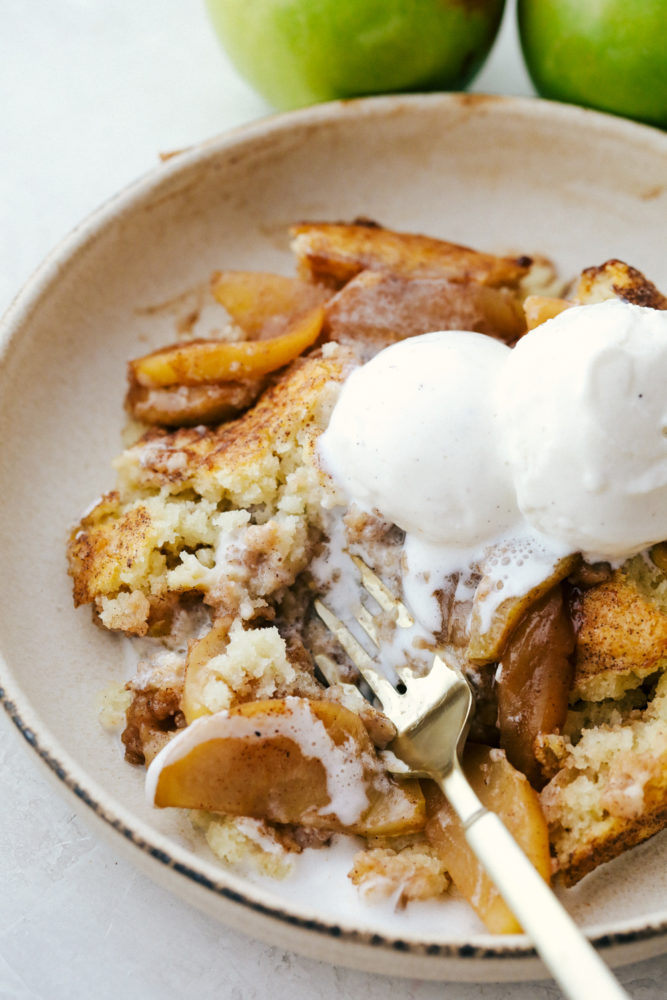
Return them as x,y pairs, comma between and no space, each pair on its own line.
382,308
190,405
264,305
506,792
496,613
202,362
290,760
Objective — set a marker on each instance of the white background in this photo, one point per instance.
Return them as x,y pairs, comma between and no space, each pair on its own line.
91,91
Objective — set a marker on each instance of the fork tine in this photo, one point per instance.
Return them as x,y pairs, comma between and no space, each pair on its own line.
367,622
328,668
381,687
364,618
403,618
384,597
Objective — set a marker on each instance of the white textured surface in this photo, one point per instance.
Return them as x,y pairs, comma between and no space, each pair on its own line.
90,92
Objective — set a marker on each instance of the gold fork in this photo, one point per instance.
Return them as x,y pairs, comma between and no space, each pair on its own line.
432,716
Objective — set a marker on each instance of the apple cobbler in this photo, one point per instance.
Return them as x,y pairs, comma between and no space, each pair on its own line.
223,527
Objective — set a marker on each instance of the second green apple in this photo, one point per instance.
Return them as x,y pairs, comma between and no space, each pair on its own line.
298,52
605,54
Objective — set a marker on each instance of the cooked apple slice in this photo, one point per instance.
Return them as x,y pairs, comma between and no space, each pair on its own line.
335,252
208,361
540,308
290,760
190,405
382,308
659,556
534,681
262,304
494,618
200,653
506,792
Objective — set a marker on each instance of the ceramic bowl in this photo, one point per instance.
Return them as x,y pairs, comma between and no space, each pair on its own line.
499,174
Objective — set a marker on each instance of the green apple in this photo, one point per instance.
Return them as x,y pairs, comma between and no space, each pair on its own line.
297,52
605,54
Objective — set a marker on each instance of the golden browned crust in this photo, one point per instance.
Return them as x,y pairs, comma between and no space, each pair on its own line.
616,279
618,817
335,252
610,790
200,457
105,542
624,835
621,639
176,489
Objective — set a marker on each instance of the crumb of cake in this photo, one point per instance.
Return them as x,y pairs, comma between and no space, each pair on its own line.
248,843
128,612
253,667
232,664
551,750
415,872
160,670
648,577
112,704
542,278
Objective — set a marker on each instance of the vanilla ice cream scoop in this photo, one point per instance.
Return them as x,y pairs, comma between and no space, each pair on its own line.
413,435
582,407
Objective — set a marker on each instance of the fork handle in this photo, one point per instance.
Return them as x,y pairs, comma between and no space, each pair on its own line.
569,956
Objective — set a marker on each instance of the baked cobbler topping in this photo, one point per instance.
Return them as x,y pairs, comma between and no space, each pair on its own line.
505,475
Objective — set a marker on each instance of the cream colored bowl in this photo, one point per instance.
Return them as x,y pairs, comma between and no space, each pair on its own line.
499,174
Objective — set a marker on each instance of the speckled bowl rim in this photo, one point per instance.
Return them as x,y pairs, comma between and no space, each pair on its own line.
70,776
